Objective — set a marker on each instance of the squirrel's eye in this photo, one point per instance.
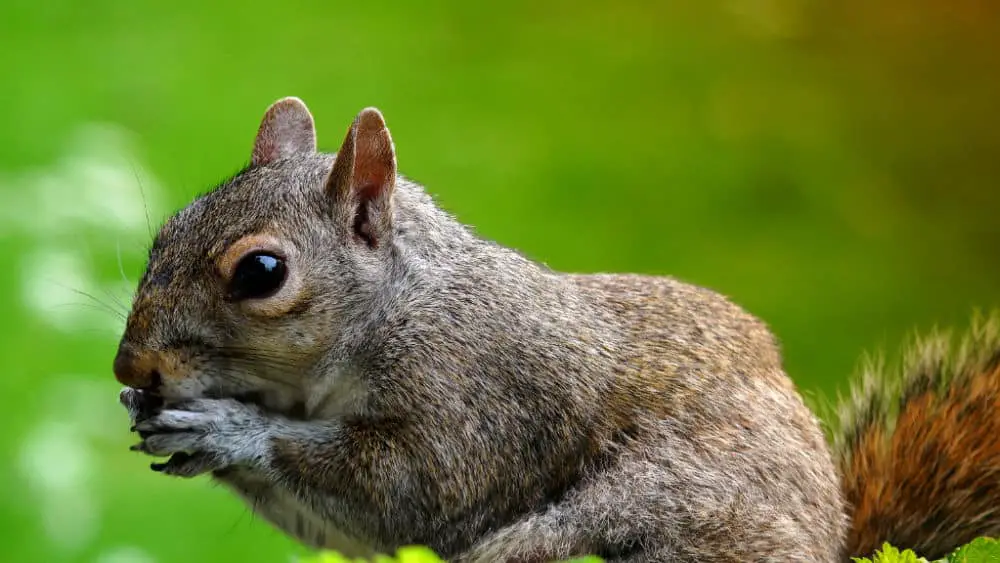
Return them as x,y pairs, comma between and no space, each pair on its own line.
257,275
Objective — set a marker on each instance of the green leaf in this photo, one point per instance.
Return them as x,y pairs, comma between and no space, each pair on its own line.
409,554
326,557
982,550
417,554
890,554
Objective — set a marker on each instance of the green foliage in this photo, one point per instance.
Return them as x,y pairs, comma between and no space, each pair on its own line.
982,550
410,554
890,554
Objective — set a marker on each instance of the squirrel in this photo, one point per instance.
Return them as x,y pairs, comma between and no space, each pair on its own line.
366,372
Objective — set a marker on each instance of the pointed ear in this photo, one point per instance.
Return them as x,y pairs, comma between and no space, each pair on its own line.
287,129
364,176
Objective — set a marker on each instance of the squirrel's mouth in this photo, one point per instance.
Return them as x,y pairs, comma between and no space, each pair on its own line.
151,395
153,400
143,402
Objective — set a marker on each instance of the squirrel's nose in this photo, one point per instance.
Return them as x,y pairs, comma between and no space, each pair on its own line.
135,370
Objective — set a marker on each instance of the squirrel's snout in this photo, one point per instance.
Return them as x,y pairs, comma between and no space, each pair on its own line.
136,370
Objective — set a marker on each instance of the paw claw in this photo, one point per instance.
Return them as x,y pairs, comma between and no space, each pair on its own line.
200,436
190,465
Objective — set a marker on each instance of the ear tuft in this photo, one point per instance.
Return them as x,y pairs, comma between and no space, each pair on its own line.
286,130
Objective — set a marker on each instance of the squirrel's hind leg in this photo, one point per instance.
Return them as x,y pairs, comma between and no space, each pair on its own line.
663,504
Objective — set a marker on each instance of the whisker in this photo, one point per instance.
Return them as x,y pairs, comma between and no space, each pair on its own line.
261,369
121,268
236,522
92,306
241,378
117,301
92,332
145,202
262,360
97,301
253,354
88,252
258,366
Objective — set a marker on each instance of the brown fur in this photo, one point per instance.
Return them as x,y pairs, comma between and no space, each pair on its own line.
920,451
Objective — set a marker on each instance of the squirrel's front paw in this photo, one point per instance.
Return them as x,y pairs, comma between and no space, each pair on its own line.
140,404
204,435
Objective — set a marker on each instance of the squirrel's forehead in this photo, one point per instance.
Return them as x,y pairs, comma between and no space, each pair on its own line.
215,218
250,200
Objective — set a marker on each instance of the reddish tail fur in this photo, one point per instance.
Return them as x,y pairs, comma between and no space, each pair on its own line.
919,451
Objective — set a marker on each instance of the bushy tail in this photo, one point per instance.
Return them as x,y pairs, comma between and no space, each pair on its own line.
919,446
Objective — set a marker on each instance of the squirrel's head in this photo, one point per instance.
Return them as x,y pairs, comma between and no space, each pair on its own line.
249,289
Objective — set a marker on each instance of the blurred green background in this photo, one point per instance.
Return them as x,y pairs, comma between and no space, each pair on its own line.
830,165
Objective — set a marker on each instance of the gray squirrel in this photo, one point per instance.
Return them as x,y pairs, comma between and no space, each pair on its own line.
367,373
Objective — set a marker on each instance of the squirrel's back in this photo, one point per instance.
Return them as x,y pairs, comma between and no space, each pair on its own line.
916,451
701,386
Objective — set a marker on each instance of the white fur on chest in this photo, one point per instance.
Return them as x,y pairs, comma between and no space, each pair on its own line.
327,537
334,395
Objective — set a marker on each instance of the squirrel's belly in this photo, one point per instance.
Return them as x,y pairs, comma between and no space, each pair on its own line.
285,512
313,531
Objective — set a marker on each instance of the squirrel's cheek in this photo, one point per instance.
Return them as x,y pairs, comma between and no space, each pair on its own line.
191,387
180,376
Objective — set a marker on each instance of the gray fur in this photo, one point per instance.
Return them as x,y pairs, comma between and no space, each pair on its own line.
438,388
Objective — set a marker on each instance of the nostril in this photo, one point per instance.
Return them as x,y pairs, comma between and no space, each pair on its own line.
124,367
137,370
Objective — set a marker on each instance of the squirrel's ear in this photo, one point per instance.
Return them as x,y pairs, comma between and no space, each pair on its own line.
363,177
287,129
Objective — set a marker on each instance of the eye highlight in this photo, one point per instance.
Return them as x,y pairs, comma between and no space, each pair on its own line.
257,275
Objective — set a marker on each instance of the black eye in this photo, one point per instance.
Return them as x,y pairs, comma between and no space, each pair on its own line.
257,275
